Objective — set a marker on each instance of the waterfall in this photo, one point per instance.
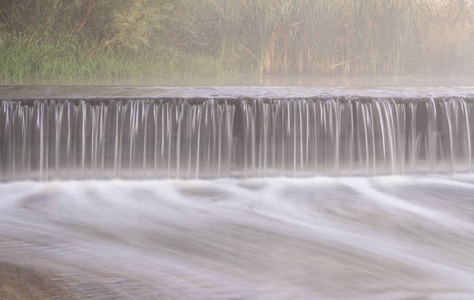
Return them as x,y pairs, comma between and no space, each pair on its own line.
49,139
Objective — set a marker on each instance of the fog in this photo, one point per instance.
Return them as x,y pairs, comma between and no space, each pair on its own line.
251,149
209,38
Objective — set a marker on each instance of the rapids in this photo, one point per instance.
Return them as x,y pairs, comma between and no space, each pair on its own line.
236,193
395,237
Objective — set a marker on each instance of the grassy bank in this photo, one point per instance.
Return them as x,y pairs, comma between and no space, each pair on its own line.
27,55
125,38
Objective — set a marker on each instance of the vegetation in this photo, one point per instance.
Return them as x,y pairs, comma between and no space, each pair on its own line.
122,38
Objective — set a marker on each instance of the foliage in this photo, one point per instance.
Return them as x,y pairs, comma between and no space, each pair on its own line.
50,38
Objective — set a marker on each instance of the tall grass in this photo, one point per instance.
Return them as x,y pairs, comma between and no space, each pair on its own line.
348,36
121,38
447,37
326,36
27,55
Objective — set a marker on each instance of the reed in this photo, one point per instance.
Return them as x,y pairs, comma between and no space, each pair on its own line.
23,57
322,36
122,38
349,36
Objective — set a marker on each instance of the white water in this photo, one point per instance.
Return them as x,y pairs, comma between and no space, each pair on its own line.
315,238
389,237
233,137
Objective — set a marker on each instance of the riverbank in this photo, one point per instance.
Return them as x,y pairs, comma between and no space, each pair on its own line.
18,282
82,39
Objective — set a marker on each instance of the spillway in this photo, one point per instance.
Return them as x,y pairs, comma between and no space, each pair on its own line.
236,193
235,136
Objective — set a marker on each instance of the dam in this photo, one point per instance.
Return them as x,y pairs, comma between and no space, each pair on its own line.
236,192
224,133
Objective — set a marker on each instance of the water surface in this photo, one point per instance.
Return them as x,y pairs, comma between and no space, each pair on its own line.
314,238
237,237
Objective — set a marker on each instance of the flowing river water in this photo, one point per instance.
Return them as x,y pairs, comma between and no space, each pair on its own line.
365,194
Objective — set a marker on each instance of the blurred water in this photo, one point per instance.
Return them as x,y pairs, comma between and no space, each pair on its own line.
314,238
212,132
250,234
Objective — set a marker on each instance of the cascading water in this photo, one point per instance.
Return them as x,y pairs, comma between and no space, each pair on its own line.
285,193
212,138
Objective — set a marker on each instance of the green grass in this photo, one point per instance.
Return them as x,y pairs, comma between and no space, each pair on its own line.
161,38
23,57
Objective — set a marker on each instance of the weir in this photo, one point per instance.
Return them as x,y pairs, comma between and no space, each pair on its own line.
214,137
294,203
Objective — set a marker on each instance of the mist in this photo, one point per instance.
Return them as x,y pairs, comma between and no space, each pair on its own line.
212,38
236,149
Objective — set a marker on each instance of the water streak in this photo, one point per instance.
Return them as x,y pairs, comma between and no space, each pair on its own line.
395,237
209,138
